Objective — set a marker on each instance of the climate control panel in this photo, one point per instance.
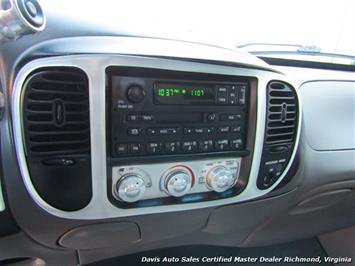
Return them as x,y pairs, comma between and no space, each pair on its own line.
136,183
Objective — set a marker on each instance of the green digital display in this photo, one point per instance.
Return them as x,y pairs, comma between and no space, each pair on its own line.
183,94
170,91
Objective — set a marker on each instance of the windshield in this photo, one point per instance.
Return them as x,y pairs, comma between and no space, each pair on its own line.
326,26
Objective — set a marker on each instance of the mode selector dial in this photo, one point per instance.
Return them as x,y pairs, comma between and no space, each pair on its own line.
220,179
135,94
130,188
178,182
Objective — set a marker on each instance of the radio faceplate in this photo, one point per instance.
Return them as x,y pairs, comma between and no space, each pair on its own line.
158,113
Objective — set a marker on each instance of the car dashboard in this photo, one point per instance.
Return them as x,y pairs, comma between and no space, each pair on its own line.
116,145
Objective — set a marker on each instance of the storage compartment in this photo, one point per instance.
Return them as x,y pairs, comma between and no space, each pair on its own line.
98,236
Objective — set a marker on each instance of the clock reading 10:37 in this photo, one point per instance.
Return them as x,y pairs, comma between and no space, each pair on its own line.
171,91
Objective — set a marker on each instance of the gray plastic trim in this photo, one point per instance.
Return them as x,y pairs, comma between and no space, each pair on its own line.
94,66
2,203
335,106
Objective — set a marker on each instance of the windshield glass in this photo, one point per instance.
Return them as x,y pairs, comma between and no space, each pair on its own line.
325,26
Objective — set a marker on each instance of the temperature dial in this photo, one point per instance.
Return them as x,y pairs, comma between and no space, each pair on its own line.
220,179
130,188
178,182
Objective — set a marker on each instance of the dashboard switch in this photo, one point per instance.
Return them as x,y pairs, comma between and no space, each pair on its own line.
205,145
236,144
130,188
154,147
172,147
211,117
189,146
134,131
135,148
242,94
178,181
220,179
221,144
121,148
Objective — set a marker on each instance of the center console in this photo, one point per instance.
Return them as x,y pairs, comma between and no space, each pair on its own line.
164,124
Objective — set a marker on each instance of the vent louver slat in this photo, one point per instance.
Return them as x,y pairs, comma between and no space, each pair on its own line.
281,122
56,112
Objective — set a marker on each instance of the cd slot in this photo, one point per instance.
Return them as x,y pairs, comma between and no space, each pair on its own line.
182,117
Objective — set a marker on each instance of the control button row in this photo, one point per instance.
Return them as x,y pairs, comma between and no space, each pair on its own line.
140,117
187,130
231,94
183,146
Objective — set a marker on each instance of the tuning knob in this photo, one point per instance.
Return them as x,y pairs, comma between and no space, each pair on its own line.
220,179
130,188
178,182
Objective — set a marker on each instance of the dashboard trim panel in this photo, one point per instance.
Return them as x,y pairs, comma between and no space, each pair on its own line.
2,203
95,67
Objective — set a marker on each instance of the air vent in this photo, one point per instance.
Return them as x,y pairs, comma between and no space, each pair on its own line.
281,114
56,112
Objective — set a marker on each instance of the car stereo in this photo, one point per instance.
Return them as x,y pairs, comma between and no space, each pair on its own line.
161,115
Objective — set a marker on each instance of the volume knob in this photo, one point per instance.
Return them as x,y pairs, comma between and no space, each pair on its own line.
178,182
220,179
130,188
135,94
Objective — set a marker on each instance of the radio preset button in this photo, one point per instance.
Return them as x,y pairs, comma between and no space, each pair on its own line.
154,147
189,146
205,145
236,144
222,144
172,147
135,148
134,131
